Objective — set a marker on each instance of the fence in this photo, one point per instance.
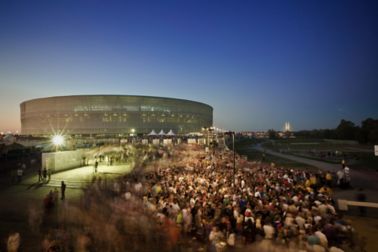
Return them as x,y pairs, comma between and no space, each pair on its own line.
343,204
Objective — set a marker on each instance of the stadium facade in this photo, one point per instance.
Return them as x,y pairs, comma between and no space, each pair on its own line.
112,115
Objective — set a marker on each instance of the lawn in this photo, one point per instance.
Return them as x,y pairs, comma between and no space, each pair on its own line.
332,151
243,147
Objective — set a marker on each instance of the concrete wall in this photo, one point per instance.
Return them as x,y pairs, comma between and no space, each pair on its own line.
62,160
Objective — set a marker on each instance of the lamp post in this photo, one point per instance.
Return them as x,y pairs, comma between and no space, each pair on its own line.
132,134
233,149
207,134
209,131
208,139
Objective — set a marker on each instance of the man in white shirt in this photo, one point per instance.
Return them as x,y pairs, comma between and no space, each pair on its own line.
269,231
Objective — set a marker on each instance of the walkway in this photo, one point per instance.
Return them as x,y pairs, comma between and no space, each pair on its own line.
79,177
17,200
365,179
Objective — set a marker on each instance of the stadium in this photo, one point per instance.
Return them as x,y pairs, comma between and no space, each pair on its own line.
103,115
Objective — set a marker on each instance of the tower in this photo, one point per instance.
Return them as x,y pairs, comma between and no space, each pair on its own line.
287,127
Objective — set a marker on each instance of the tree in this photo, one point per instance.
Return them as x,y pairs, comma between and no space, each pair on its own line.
272,134
369,131
346,130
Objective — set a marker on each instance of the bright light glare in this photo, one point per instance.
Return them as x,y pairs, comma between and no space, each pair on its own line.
58,140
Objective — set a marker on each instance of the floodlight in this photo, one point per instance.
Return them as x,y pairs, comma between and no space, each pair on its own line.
58,140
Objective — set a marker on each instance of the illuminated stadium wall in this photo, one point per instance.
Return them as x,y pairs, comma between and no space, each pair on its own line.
112,114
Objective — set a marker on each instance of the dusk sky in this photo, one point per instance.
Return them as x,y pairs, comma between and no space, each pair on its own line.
258,63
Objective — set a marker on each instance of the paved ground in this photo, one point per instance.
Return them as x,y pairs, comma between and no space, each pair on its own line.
79,177
367,228
17,200
32,190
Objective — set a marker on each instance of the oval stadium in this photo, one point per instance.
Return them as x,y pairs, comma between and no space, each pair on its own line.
112,115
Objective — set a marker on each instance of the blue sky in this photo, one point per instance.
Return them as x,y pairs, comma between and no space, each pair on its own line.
258,63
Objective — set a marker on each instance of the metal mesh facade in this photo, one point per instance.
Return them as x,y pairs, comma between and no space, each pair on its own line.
112,114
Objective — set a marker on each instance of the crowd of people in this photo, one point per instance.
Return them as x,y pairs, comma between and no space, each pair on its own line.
186,199
259,205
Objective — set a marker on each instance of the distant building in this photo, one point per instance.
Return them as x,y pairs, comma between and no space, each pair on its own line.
287,131
287,127
112,115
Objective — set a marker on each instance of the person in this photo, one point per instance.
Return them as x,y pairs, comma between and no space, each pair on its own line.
215,237
95,166
268,231
56,196
361,196
39,175
48,201
62,190
44,174
13,242
20,172
328,178
340,177
347,176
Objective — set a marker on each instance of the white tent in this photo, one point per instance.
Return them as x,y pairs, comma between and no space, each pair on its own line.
170,133
152,133
161,133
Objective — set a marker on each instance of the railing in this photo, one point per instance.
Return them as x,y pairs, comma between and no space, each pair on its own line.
343,204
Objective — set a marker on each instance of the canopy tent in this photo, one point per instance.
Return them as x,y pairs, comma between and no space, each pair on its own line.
170,133
161,133
152,133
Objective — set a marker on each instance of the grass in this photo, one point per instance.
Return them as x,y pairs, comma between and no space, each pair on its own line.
243,147
356,155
